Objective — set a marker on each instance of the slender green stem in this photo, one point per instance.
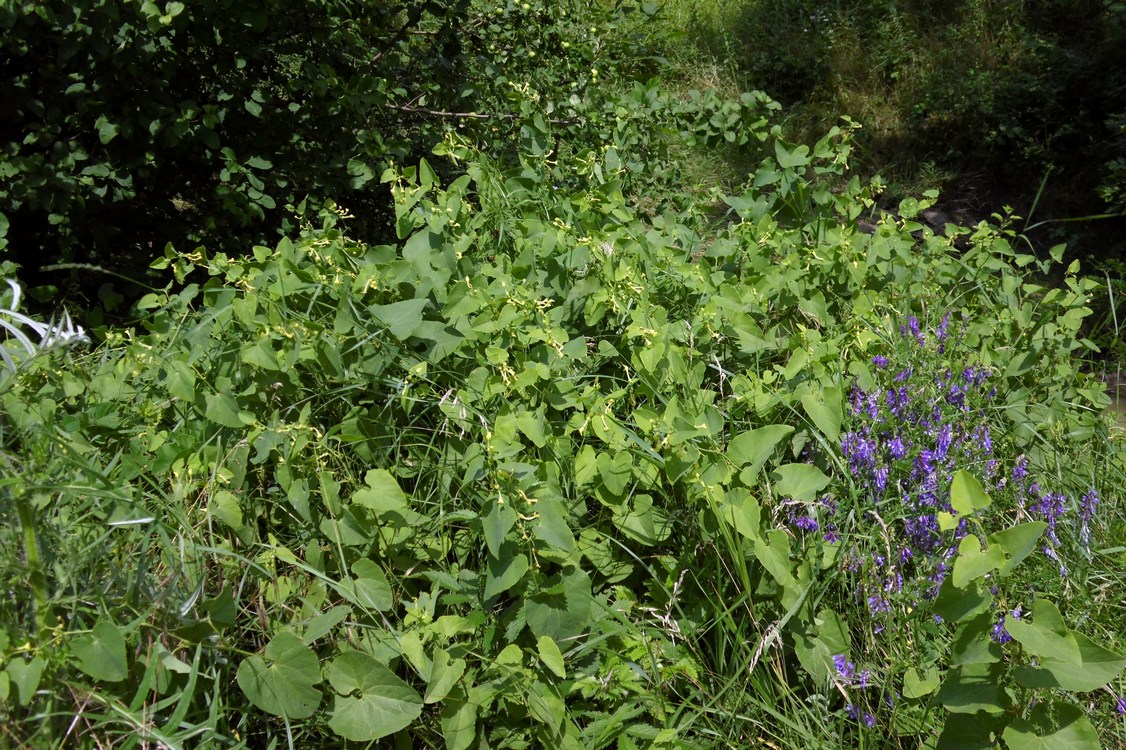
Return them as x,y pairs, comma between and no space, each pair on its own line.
36,576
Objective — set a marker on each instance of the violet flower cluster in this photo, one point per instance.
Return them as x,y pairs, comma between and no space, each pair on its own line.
848,677
920,416
910,430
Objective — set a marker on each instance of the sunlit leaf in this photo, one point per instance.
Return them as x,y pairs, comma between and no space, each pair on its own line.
372,702
281,681
799,481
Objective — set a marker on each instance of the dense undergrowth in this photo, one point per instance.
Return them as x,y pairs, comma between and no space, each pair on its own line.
574,458
994,101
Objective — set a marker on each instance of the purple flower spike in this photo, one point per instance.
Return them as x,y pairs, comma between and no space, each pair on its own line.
844,667
941,332
913,326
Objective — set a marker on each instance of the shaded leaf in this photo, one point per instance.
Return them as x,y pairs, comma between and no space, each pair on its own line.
644,522
1071,731
967,732
563,610
101,653
505,570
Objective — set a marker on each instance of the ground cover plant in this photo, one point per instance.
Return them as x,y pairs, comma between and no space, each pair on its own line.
581,454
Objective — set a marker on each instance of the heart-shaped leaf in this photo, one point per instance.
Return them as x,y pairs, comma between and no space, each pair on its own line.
281,681
101,653
382,493
25,674
1071,730
799,481
373,701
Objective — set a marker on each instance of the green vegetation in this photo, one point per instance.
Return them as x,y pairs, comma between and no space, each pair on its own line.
987,99
545,428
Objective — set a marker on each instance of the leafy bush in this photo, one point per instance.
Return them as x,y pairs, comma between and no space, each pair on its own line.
126,127
542,472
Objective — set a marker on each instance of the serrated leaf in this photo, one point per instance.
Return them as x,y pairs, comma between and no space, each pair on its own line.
281,681
101,653
373,701
799,481
551,656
